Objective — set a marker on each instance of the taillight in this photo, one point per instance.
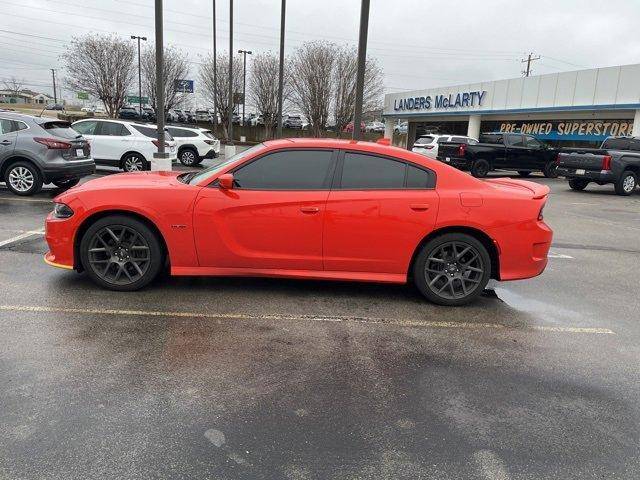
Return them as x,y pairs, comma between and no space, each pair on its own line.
210,142
558,159
157,143
52,143
606,162
462,149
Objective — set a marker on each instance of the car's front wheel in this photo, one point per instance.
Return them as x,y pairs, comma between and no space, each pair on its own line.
480,168
23,178
452,269
121,253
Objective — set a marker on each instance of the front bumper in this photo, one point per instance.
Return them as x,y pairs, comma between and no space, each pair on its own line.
69,170
58,232
598,176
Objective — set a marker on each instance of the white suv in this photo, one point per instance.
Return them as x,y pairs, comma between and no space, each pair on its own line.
194,144
427,145
127,145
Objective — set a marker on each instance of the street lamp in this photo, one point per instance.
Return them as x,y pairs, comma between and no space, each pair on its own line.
362,60
244,79
134,37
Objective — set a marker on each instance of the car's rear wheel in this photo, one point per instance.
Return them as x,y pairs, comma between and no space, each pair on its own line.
121,253
578,184
68,183
189,157
133,162
627,183
480,168
452,269
550,170
524,173
23,178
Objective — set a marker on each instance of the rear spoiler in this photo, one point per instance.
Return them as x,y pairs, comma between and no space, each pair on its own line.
538,191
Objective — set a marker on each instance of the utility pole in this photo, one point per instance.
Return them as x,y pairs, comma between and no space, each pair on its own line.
244,79
215,68
161,156
528,61
134,37
362,59
55,96
230,127
283,9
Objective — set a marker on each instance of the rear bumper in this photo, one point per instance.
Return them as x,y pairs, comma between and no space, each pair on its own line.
461,163
522,249
598,176
65,171
210,154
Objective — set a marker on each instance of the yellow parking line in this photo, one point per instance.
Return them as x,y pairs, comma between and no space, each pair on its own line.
314,318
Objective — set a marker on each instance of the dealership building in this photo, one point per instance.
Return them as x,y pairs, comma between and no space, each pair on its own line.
568,108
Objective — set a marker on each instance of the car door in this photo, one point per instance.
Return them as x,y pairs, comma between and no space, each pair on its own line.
272,218
378,211
535,154
115,140
518,155
88,130
8,135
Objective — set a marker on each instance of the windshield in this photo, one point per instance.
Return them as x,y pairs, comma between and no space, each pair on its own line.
194,178
60,129
424,140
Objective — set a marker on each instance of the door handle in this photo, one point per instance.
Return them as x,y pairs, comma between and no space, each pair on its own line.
5,142
309,209
419,207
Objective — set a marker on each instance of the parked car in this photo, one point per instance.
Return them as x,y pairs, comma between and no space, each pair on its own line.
501,151
292,121
204,116
428,144
349,127
129,113
235,119
39,150
126,145
88,109
180,116
617,161
190,117
194,144
278,209
401,127
55,106
375,127
149,115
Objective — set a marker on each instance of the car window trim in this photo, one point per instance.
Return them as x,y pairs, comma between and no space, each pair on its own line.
337,178
327,182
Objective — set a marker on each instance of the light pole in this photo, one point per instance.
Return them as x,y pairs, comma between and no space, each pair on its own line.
230,119
134,37
162,158
283,9
215,68
244,79
362,59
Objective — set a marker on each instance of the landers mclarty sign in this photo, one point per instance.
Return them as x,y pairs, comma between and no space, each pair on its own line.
440,102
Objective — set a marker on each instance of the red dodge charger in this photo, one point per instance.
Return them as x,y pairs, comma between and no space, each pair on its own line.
306,208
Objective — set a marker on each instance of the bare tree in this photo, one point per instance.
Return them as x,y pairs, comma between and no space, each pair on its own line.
263,88
176,67
344,87
14,85
101,65
311,85
218,93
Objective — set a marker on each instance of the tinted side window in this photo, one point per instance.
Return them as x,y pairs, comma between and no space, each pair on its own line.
8,126
460,139
444,139
181,133
288,170
363,172
634,145
85,128
616,144
418,178
112,129
515,140
531,142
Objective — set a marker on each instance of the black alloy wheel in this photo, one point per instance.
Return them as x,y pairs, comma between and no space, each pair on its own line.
121,253
452,269
550,170
480,168
578,184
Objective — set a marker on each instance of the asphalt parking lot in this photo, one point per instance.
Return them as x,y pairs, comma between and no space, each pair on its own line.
262,378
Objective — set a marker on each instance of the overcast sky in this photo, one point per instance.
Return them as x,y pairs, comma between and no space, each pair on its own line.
418,43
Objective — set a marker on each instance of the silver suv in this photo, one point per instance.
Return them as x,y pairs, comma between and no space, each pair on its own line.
39,150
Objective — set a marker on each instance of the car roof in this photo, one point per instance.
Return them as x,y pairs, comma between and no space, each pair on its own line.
337,143
24,117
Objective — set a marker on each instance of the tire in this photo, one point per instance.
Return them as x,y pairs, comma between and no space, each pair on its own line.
626,184
524,173
578,184
189,157
550,170
113,245
66,184
134,162
450,281
480,168
23,178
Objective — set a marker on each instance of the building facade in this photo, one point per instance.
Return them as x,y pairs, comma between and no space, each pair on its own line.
567,108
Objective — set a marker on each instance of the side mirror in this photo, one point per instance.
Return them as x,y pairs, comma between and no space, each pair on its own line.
226,181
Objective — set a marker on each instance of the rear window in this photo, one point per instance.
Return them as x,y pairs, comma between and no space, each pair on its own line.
424,140
60,129
495,139
180,132
209,134
616,143
152,132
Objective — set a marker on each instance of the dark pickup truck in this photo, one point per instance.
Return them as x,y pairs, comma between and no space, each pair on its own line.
501,151
617,161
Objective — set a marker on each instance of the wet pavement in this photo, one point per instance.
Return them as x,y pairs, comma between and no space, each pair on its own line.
281,379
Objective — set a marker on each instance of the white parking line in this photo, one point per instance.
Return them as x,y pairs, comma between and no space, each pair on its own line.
311,318
26,200
22,236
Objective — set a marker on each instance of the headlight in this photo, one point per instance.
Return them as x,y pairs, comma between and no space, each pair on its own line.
60,210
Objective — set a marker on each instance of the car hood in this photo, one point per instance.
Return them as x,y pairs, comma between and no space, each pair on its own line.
130,180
